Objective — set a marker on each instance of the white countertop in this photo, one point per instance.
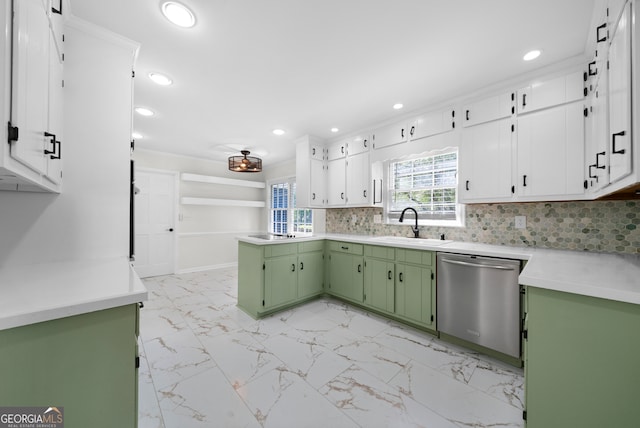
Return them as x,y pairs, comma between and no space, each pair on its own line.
601,275
42,292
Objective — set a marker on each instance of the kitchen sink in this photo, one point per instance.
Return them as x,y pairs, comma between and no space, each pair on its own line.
416,241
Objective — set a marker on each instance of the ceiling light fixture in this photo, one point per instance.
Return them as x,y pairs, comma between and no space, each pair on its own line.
334,129
245,163
136,136
178,14
144,111
531,55
278,131
160,79
397,106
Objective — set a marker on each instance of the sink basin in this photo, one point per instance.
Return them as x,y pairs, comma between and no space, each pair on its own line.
415,241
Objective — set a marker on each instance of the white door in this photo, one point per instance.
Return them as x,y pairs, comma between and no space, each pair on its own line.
155,206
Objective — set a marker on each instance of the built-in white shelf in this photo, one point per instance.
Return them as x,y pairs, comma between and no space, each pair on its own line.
222,202
222,180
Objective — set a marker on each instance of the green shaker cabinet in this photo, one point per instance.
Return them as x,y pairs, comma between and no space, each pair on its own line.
401,282
581,361
85,363
346,269
276,276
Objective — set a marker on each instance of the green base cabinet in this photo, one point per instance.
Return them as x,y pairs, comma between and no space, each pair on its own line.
273,277
582,361
346,271
401,283
85,363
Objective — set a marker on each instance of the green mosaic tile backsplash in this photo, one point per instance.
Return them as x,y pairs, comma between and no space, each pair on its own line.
605,226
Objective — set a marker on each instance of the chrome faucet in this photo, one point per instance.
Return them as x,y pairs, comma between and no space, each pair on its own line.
415,229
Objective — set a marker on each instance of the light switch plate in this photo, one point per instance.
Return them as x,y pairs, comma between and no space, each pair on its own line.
521,222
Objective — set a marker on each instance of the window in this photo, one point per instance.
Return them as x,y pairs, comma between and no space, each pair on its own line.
284,217
428,184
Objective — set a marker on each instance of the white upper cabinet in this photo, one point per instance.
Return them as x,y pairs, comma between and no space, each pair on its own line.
33,160
486,110
551,92
390,135
337,182
620,98
551,153
337,150
358,144
485,172
359,180
434,123
311,173
597,135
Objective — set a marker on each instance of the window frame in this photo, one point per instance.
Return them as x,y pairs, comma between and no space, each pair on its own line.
291,210
390,218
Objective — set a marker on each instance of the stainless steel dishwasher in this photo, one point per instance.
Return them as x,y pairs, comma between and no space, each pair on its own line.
479,300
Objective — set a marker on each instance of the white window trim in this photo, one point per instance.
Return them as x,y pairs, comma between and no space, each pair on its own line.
460,208
290,215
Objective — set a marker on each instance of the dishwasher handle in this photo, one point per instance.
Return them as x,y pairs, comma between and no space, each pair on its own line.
455,262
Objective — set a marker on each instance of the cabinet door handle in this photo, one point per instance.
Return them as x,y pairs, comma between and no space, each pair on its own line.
467,185
524,100
613,143
359,268
342,195
344,248
413,128
524,181
389,275
313,196
590,173
365,142
598,166
592,71
364,193
402,132
293,267
313,151
400,277
342,149
301,266
467,115
598,38
57,146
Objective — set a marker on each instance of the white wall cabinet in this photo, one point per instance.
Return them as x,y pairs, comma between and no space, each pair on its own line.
620,132
390,135
485,172
32,45
434,123
486,110
551,153
548,93
311,173
337,182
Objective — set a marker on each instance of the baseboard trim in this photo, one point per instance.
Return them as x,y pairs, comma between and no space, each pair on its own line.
203,268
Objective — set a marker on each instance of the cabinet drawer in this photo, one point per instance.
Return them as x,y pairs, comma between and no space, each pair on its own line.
387,253
307,247
424,258
278,250
345,247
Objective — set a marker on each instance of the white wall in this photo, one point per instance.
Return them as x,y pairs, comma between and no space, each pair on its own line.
207,234
90,218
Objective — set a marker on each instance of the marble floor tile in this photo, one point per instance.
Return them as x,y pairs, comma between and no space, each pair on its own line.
206,363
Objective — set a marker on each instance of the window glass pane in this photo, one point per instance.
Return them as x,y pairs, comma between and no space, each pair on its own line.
283,217
427,184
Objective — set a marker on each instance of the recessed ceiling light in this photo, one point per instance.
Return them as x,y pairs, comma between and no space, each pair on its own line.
531,55
144,111
179,14
160,79
136,136
278,131
397,106
334,129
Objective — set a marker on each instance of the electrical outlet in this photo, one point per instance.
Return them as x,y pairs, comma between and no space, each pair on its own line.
521,222
377,218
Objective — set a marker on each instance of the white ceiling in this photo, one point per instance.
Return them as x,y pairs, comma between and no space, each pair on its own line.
305,66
